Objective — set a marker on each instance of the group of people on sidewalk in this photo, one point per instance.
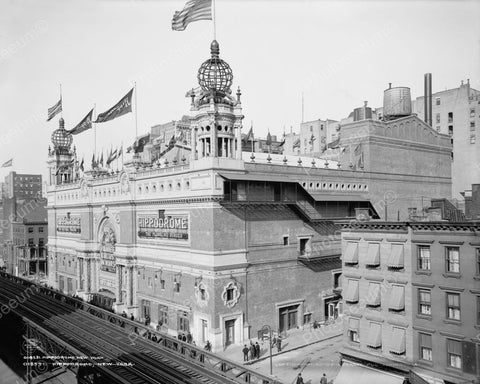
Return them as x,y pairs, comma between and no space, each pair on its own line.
323,380
252,352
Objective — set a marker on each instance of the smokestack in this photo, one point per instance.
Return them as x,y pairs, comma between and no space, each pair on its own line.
428,98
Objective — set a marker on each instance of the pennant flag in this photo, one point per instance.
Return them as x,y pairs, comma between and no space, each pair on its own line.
334,144
194,10
296,143
312,139
8,163
172,142
81,164
112,156
121,108
101,160
269,138
358,149
120,151
84,125
249,135
53,111
94,163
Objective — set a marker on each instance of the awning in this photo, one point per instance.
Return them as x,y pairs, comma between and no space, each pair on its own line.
374,339
395,260
257,177
351,295
352,197
359,374
353,324
397,298
351,253
373,255
397,341
373,296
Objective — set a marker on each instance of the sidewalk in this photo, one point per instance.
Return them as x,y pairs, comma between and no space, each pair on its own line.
296,339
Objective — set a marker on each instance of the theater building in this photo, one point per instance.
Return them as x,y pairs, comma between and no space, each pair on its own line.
215,241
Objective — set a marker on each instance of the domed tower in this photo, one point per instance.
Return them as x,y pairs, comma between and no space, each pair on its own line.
216,120
61,158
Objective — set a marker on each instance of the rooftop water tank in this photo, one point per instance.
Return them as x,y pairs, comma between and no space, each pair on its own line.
397,102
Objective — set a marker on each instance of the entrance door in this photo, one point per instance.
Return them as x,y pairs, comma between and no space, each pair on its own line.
229,332
288,318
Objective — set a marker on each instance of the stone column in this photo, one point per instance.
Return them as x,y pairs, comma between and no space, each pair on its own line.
86,275
118,288
81,261
129,286
193,145
238,135
134,288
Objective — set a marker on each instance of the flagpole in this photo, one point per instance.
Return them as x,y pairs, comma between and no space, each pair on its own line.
94,128
61,101
303,109
214,21
136,108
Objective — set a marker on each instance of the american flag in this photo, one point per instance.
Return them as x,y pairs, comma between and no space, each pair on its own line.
194,10
52,112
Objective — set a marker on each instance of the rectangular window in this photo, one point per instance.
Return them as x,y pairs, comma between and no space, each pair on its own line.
478,310
424,257
477,251
425,344
146,308
452,259
450,117
353,329
41,241
437,119
162,315
424,302
337,279
30,241
285,240
40,229
454,353
183,323
437,101
472,112
176,285
450,130
304,247
453,306
230,294
307,318
472,125
30,229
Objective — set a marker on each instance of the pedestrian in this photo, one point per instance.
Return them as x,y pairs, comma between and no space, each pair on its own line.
245,353
257,350
124,314
279,344
189,338
252,351
132,317
324,380
299,379
208,346
274,341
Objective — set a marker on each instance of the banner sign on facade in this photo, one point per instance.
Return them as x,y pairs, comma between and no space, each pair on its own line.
69,224
174,227
107,262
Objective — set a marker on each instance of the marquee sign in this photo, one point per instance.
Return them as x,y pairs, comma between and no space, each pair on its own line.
171,227
69,224
107,262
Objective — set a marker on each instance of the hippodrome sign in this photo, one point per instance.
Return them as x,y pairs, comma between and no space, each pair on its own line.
70,224
174,227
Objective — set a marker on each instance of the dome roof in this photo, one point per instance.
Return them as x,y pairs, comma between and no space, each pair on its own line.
61,139
215,74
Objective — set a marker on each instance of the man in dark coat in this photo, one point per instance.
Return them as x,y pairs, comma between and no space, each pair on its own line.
245,353
324,380
252,351
257,350
299,379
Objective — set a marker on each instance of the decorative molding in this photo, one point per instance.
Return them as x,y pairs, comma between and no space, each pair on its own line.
474,243
452,275
424,273
392,240
373,239
352,275
453,335
374,318
422,241
453,289
397,281
425,330
423,285
448,242
374,277
398,323
236,294
352,238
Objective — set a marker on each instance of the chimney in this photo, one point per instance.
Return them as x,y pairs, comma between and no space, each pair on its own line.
428,98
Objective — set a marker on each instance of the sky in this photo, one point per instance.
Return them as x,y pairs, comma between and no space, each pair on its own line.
337,53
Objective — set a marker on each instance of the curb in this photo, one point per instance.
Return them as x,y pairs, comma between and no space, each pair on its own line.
289,350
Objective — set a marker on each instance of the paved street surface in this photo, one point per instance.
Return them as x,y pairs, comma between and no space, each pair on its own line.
310,352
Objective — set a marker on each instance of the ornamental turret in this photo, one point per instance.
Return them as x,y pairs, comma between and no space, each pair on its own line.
216,120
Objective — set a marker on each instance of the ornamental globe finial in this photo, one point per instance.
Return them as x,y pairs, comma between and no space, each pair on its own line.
215,75
61,139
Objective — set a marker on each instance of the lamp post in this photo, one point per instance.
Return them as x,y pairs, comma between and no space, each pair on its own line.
270,343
